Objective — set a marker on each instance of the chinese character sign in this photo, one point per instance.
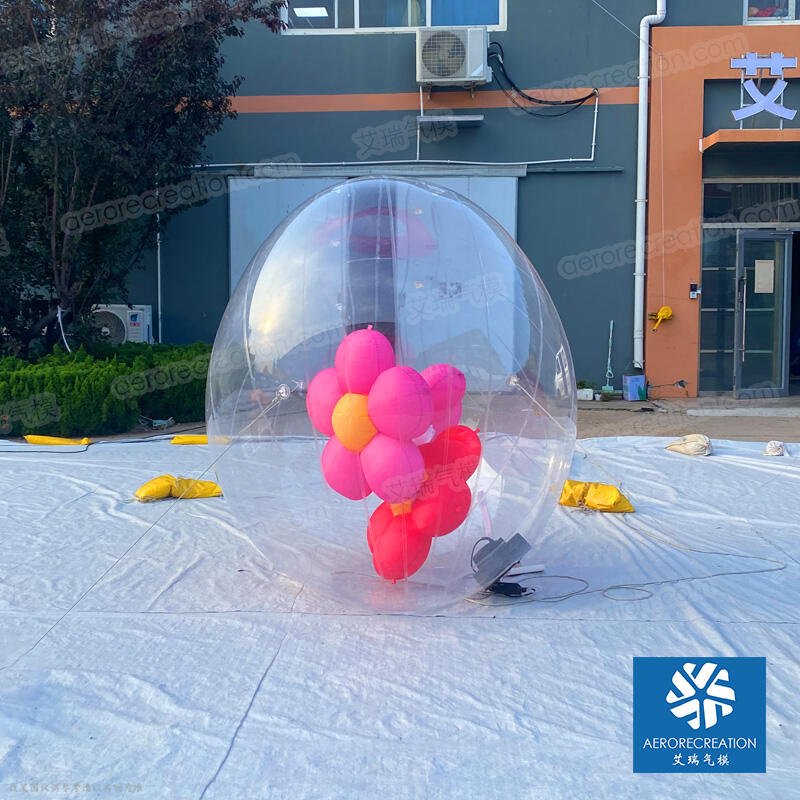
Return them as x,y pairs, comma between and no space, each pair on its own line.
751,66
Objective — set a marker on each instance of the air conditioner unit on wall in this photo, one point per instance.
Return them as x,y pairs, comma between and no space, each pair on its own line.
453,56
121,323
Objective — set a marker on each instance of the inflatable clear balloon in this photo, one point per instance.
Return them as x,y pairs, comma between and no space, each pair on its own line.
391,398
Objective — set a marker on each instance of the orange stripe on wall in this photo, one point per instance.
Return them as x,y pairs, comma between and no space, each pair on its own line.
409,101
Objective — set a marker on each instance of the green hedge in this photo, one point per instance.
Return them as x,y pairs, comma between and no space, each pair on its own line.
105,391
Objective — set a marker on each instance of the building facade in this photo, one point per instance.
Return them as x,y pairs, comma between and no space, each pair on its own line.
336,96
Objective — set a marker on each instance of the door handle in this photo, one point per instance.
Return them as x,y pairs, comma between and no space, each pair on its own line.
743,285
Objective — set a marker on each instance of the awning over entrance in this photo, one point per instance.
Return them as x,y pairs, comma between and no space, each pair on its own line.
734,138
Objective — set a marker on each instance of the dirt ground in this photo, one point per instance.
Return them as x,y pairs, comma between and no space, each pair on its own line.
760,421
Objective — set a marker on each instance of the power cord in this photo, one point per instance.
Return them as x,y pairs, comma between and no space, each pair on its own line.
510,85
481,599
640,586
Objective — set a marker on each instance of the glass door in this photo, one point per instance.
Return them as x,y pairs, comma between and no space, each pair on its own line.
763,281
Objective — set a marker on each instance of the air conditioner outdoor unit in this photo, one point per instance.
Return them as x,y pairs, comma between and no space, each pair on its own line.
121,323
453,56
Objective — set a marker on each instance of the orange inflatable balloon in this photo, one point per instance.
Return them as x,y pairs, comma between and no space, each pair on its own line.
351,423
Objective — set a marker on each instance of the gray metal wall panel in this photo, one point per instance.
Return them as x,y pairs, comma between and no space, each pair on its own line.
545,42
142,283
567,43
578,232
504,136
194,262
558,215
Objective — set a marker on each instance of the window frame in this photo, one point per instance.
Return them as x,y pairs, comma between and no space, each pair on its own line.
502,25
794,7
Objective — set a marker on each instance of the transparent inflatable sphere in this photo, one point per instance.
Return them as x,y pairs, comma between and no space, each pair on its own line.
390,394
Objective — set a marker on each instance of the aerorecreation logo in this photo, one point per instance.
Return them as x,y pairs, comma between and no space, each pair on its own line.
678,701
690,683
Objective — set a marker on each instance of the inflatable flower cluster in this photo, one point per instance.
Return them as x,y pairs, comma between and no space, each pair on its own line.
394,431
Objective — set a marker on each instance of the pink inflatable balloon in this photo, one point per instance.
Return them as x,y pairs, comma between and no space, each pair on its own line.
324,392
361,357
394,469
400,403
447,385
447,417
342,470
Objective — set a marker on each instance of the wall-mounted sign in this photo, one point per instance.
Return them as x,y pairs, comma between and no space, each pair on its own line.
751,65
765,277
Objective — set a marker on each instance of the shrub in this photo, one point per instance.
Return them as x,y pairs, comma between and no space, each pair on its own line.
104,391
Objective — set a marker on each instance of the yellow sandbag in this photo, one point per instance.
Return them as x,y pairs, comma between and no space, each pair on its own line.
168,486
156,489
189,438
573,493
599,496
54,440
190,489
602,497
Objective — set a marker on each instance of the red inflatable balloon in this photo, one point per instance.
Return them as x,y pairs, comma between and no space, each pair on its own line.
440,508
400,550
452,456
378,522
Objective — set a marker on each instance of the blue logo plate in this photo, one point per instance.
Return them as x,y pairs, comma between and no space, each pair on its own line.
702,714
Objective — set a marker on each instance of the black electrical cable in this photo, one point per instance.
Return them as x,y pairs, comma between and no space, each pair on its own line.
474,548
528,110
542,101
500,57
573,103
532,113
499,47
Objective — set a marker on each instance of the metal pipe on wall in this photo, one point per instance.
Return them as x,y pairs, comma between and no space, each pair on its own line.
641,180
158,271
430,161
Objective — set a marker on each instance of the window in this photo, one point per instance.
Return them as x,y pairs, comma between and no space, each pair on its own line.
465,12
376,16
751,203
771,11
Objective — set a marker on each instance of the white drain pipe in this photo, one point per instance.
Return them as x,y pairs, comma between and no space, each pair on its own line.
641,180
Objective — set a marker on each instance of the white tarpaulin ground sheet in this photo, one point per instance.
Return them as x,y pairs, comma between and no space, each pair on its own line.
171,662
